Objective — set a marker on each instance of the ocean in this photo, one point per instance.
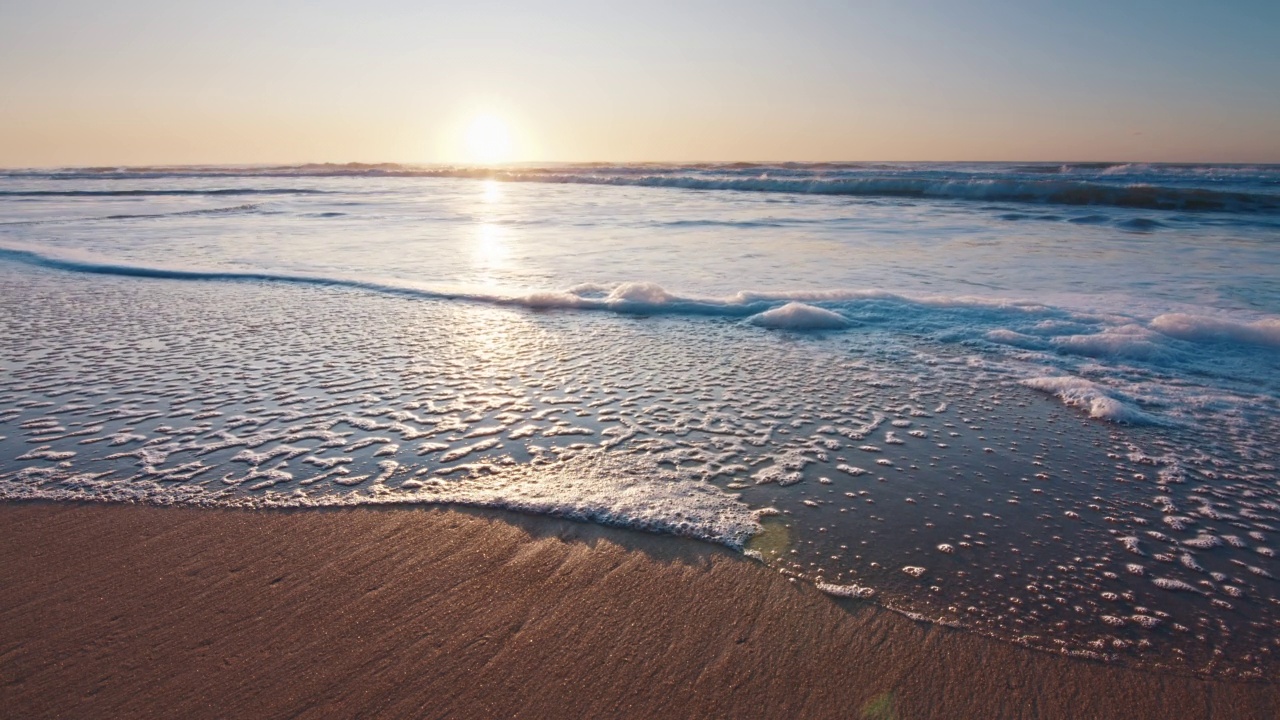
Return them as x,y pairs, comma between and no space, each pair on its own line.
1039,402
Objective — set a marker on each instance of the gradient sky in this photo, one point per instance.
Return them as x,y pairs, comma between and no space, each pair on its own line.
86,82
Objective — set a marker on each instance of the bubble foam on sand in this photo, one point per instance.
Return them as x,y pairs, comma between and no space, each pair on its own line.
301,396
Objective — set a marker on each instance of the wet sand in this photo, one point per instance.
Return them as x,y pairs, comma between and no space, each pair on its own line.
130,611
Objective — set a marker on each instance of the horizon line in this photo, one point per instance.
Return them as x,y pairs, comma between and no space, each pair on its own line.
670,163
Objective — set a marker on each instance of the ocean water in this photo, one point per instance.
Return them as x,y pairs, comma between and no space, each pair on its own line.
1039,402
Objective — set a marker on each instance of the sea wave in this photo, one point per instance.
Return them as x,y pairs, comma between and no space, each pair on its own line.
233,210
1058,192
1056,328
636,297
1187,188
160,192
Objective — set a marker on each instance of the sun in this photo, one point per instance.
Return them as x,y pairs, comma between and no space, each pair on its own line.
488,140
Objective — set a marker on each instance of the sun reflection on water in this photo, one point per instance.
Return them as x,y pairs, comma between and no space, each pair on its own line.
492,191
489,244
489,250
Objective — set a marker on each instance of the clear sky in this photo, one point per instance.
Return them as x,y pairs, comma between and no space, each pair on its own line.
87,82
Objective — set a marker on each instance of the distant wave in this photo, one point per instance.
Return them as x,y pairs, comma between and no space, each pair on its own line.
146,193
981,189
1189,188
246,208
1248,172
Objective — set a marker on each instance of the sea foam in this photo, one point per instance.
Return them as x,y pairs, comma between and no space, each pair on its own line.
1206,329
799,316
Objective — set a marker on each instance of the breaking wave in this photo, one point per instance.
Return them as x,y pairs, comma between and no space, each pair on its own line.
789,310
637,297
1187,188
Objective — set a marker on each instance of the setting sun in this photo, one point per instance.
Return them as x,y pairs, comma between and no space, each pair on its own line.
488,140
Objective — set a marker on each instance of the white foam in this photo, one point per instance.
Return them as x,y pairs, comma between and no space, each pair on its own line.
1119,338
1005,336
846,591
1195,328
593,486
644,293
1172,584
1126,341
1089,396
799,316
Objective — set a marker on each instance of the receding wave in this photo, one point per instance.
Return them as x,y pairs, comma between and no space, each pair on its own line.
629,297
1009,328
781,309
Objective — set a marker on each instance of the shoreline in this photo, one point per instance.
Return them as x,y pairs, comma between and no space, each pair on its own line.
131,610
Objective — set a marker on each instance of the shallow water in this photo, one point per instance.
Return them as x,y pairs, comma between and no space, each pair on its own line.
1049,427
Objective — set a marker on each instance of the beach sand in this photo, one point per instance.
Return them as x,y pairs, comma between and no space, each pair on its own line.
130,611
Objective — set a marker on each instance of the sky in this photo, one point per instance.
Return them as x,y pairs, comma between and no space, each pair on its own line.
139,82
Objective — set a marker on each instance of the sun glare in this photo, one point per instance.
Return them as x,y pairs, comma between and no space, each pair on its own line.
488,140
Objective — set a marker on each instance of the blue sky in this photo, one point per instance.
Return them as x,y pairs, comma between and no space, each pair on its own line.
385,80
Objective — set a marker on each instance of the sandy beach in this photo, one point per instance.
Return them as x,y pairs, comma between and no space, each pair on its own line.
130,611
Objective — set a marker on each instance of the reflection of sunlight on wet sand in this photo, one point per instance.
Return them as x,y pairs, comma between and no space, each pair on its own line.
486,336
772,541
880,707
493,338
